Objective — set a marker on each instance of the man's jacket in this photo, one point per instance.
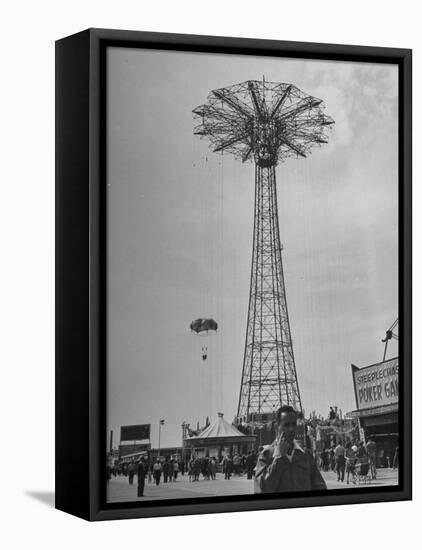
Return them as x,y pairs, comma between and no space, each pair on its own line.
141,470
277,474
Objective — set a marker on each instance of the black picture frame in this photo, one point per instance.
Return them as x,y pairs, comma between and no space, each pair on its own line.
81,274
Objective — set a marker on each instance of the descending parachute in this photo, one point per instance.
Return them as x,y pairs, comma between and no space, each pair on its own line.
203,325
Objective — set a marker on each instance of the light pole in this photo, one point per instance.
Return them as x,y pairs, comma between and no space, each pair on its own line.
183,440
161,423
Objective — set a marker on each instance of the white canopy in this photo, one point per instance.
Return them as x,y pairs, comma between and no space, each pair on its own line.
220,428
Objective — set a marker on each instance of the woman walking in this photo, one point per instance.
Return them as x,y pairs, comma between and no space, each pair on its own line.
227,466
351,459
213,468
157,472
131,472
190,469
175,470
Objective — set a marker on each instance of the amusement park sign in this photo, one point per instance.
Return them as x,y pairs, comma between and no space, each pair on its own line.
376,385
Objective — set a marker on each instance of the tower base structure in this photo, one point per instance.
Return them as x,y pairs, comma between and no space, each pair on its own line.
267,123
269,377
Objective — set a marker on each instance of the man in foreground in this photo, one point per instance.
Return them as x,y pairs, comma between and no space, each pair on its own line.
284,466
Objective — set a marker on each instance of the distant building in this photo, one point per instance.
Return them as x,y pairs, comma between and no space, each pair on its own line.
176,453
132,450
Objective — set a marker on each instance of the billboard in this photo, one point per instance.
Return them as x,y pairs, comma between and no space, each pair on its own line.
135,433
376,385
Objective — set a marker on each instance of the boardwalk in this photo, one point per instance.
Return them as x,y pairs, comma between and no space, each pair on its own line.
119,489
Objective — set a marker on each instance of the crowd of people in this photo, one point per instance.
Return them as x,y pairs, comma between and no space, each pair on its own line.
153,471
167,470
298,469
207,467
230,465
346,459
351,459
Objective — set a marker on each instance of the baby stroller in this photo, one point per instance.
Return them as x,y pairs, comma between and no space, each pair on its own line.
363,473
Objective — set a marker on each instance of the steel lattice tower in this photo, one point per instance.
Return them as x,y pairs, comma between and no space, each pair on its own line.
265,122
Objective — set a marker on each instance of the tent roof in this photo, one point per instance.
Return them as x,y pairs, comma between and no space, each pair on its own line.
220,428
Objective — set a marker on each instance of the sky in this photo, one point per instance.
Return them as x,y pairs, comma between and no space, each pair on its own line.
180,222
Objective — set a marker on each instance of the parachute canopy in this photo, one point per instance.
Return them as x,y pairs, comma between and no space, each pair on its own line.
202,325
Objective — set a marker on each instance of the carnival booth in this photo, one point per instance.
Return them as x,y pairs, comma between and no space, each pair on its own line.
377,400
218,439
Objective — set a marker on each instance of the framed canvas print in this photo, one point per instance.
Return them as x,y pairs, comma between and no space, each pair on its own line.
233,266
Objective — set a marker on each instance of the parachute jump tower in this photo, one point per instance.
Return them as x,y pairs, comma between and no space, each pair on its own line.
265,122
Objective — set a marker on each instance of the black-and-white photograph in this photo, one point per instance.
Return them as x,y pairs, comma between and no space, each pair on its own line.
252,275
